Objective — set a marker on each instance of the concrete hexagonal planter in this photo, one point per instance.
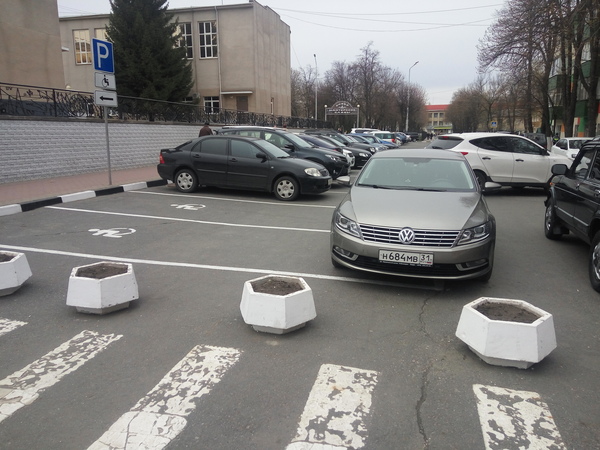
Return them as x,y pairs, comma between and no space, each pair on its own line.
277,304
102,287
506,332
14,271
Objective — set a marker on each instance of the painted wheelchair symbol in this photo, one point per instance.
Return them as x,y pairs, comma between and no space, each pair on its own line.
189,206
112,232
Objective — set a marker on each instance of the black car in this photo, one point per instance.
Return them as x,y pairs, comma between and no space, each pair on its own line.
573,204
241,163
362,152
336,164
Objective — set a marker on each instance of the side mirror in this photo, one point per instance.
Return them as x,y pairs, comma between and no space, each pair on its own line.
262,156
559,169
289,147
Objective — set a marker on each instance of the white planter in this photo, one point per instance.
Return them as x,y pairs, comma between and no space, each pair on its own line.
273,312
14,271
507,341
102,287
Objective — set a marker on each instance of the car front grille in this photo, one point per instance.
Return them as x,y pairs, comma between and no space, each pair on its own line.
436,270
423,238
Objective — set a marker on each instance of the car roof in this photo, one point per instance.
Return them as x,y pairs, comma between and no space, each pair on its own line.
419,153
473,135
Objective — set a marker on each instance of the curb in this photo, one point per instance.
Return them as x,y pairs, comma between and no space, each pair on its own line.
35,204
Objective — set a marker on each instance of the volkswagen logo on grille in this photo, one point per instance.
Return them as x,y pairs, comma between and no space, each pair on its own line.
406,236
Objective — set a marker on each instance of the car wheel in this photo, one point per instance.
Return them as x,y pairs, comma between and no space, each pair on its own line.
286,188
481,179
552,228
594,262
186,181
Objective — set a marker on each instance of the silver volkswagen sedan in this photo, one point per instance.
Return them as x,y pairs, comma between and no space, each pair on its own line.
415,213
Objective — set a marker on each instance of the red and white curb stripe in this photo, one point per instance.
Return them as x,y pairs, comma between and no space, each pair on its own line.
515,419
161,415
24,386
336,410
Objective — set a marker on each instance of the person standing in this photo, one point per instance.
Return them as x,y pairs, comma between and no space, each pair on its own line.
205,130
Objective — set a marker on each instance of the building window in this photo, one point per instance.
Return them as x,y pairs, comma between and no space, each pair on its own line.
184,38
83,46
208,39
435,115
100,33
211,104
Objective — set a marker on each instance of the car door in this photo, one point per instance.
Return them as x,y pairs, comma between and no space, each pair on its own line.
531,162
245,169
567,194
496,156
209,160
586,207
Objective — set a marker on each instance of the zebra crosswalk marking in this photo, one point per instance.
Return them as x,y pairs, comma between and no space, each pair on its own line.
6,325
336,409
161,415
515,419
24,386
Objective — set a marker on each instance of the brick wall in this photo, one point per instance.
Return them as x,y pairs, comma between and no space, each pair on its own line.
36,149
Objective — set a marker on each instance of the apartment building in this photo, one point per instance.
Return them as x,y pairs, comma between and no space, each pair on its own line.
436,119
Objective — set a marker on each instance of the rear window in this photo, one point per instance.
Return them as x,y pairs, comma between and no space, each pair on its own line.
445,142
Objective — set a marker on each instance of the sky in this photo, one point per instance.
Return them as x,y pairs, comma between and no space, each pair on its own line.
441,35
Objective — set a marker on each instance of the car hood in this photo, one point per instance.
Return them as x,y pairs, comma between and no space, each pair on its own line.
416,209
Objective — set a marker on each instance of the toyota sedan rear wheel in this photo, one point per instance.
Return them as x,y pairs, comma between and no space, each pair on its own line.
186,181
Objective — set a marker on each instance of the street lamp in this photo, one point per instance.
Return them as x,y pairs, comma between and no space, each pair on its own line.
408,98
316,83
325,113
357,116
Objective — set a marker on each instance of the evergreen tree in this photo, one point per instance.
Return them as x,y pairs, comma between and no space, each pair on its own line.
147,62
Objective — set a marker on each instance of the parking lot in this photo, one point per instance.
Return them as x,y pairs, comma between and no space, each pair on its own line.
418,387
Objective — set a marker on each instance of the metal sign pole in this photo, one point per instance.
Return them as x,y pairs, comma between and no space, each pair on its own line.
107,145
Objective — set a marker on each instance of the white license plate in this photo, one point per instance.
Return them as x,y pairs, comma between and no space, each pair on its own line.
413,259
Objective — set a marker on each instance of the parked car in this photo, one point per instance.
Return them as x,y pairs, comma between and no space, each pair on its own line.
573,204
415,213
373,140
569,147
504,159
241,163
403,138
385,136
320,142
363,130
336,164
362,152
413,135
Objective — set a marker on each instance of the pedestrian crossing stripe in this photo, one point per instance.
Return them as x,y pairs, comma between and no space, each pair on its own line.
336,410
6,325
515,419
24,386
161,415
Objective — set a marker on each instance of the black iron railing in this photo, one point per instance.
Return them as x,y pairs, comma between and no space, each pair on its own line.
34,101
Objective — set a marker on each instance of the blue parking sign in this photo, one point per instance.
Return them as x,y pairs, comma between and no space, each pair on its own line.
103,56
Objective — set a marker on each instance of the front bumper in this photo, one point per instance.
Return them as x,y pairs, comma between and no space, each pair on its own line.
315,185
462,262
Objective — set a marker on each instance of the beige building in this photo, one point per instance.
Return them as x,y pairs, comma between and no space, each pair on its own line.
240,55
30,43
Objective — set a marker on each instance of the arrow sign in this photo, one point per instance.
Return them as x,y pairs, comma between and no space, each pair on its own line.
105,98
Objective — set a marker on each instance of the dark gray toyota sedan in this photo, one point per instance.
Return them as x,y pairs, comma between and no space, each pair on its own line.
415,213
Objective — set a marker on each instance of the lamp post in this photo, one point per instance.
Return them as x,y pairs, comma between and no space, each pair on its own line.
316,84
408,97
325,113
357,116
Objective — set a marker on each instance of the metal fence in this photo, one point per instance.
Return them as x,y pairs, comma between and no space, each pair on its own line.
34,101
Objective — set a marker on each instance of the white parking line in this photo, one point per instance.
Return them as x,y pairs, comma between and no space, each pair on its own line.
24,386
160,416
220,268
6,325
188,196
515,419
336,410
175,219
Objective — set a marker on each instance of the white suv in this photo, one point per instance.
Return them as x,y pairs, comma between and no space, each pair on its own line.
505,159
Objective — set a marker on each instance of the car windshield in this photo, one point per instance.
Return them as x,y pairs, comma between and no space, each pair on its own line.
445,142
298,142
272,149
417,173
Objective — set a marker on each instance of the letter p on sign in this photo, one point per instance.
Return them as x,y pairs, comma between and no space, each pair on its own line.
103,56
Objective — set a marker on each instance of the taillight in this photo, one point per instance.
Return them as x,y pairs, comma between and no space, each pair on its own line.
465,153
161,160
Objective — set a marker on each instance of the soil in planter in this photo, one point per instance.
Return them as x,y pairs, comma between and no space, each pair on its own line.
5,258
277,286
100,271
507,312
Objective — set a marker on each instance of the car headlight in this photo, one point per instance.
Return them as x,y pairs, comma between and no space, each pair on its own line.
347,226
372,149
364,155
313,172
475,234
335,158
